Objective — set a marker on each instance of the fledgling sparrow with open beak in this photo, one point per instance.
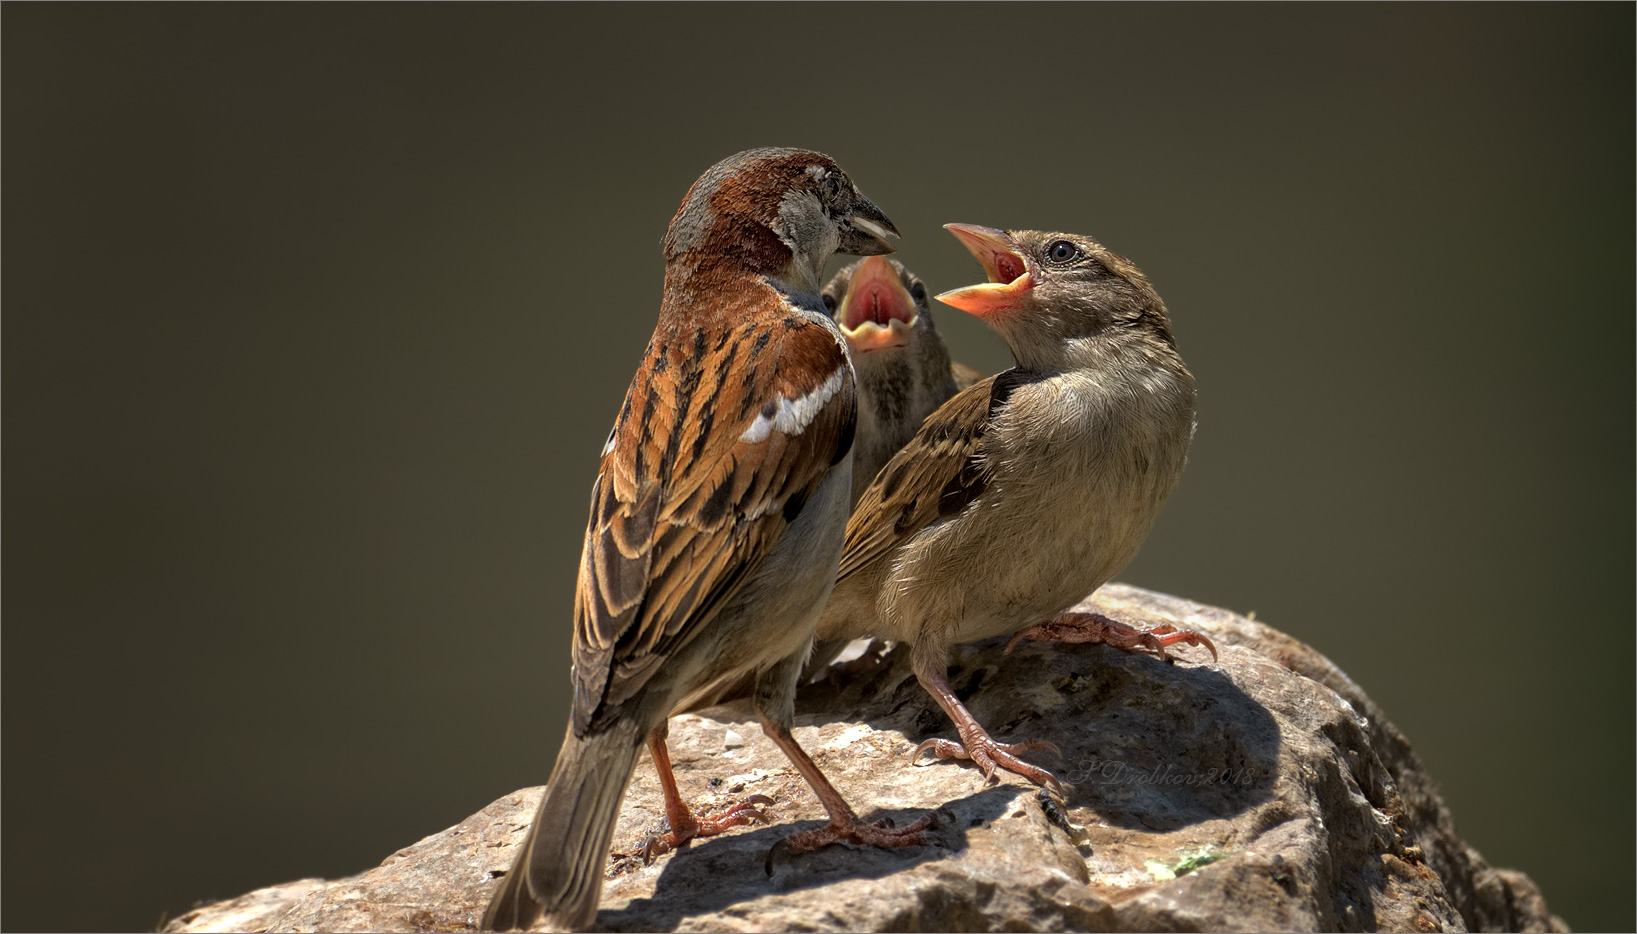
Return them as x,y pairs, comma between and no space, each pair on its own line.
1032,488
716,518
904,370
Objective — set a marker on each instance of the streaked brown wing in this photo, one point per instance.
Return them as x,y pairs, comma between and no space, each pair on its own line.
694,494
936,474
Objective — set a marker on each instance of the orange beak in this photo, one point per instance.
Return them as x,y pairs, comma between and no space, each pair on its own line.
1008,272
876,313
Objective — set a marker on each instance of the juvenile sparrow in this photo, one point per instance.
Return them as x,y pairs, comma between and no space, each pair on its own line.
904,371
716,518
1032,488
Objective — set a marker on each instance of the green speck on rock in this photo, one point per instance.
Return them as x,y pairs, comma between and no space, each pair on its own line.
1188,862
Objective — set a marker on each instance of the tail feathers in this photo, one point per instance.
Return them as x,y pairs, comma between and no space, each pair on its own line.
558,872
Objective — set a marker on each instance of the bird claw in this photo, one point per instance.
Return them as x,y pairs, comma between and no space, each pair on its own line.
880,833
1095,627
739,815
1161,636
989,755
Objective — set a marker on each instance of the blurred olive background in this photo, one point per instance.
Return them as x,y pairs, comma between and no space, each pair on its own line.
316,317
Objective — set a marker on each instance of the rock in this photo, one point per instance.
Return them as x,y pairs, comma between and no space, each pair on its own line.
255,911
1263,793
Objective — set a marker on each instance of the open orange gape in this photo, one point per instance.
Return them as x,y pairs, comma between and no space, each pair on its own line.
1002,261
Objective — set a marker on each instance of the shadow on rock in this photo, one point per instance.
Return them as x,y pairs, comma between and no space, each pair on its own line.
1145,743
712,875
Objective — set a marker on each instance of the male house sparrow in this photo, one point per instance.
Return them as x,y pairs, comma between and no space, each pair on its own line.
1032,488
904,374
904,371
716,518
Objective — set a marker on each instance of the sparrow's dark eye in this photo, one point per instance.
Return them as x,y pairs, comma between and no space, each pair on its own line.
917,292
829,303
1062,252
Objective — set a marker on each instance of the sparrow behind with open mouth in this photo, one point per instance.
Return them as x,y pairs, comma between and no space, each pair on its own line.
1032,488
716,518
904,370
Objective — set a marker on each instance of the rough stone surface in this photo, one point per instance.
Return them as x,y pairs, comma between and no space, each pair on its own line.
1262,793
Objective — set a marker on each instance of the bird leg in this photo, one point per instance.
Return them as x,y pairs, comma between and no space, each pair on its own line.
684,825
844,824
976,744
1095,627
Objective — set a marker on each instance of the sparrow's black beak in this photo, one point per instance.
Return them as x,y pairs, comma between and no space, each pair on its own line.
864,231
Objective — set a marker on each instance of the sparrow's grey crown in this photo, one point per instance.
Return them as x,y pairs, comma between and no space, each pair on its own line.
799,195
695,215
